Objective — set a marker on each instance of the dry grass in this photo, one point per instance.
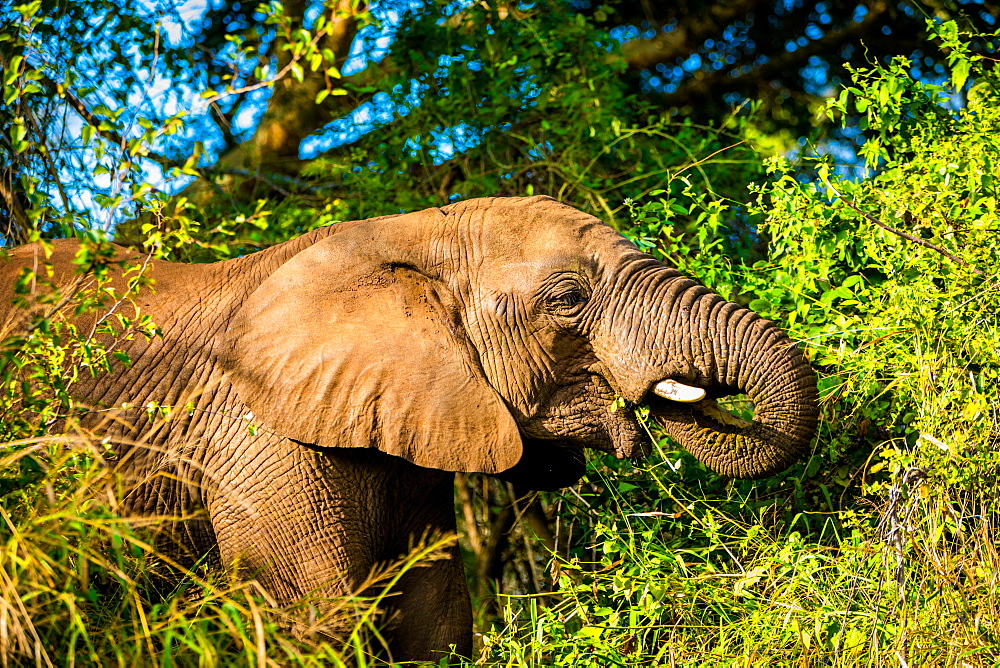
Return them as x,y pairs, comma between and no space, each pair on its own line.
80,585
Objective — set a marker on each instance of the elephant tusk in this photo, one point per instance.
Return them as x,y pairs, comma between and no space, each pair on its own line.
671,389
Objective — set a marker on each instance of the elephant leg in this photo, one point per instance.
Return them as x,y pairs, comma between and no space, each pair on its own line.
168,513
309,522
292,535
190,543
431,614
172,511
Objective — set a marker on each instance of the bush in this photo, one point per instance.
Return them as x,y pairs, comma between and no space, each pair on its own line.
880,547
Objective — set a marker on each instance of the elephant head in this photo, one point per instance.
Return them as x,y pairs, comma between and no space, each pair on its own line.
505,335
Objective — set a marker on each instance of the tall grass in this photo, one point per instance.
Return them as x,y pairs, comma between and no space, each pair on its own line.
700,587
83,586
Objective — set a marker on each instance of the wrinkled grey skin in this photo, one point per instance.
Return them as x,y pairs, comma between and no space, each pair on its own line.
377,357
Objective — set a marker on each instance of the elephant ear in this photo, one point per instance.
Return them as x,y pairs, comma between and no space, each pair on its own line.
340,348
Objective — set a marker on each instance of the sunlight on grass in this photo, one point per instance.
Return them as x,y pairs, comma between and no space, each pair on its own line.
81,585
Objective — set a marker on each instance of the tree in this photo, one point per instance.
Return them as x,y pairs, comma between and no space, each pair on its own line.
468,99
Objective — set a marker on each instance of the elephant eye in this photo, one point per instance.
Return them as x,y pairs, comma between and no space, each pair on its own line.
566,298
572,298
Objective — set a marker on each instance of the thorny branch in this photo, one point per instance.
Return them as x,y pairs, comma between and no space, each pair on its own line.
895,529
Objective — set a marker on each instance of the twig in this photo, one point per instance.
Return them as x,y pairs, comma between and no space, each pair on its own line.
708,157
47,158
900,233
296,57
132,284
16,228
90,119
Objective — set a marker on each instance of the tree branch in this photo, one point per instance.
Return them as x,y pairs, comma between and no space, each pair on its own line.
16,229
899,233
688,36
704,85
292,113
93,121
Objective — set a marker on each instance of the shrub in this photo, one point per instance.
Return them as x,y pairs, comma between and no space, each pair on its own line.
880,546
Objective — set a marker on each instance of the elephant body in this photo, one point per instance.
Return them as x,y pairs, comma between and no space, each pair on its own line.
237,484
325,390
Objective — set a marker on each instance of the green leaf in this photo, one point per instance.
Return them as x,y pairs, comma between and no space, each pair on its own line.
960,73
13,69
29,10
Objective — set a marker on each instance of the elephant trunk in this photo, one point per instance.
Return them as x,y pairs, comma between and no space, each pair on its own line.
750,356
726,349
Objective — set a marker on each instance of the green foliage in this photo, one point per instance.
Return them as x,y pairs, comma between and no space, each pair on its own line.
532,104
881,546
44,352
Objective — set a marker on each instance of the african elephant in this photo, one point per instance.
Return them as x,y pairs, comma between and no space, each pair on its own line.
378,357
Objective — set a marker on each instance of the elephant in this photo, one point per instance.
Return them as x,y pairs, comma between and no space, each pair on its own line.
335,383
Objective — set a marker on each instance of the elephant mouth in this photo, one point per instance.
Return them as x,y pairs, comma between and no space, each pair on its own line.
618,430
673,401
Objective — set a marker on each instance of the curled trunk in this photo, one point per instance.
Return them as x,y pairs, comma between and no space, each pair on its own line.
738,352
